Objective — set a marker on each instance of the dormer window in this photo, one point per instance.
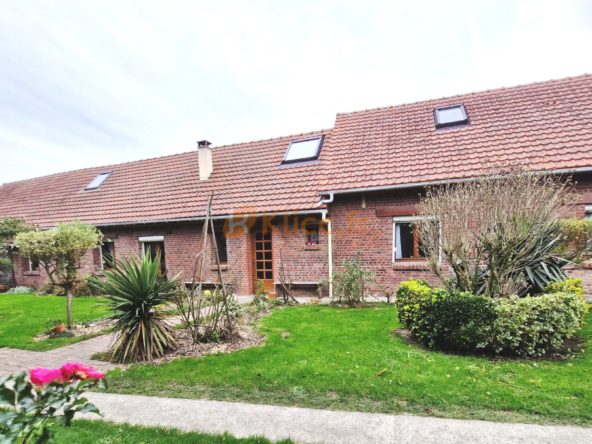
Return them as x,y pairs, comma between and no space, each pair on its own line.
450,116
98,181
304,150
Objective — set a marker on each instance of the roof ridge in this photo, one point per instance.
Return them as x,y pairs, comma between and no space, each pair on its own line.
520,85
163,157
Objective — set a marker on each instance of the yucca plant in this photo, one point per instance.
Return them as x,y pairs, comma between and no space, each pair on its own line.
134,292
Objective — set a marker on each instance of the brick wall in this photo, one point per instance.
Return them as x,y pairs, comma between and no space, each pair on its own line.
182,242
356,227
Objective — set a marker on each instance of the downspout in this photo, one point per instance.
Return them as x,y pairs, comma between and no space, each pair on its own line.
330,248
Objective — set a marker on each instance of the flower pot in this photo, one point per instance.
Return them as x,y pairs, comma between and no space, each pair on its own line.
58,329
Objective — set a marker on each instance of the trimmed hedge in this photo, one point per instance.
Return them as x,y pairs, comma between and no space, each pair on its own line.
530,326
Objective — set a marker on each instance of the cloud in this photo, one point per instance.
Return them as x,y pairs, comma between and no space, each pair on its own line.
93,83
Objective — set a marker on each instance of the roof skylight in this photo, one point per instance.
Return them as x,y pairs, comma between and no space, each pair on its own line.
450,116
303,150
98,181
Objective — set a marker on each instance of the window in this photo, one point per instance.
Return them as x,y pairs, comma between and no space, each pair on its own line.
303,150
98,181
33,265
312,232
450,116
407,245
222,251
107,255
154,249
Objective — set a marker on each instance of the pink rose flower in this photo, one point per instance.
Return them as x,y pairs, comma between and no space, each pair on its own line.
42,376
78,370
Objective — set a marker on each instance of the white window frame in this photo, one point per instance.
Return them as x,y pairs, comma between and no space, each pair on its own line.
31,266
588,211
396,220
408,219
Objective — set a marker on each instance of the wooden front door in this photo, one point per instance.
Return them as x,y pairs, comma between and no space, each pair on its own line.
262,260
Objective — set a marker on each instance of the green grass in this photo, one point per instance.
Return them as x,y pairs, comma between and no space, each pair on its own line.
331,359
99,432
24,316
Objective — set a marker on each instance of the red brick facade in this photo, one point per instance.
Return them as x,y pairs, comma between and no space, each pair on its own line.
306,265
358,225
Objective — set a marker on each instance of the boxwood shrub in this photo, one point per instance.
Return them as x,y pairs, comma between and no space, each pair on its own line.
443,319
529,326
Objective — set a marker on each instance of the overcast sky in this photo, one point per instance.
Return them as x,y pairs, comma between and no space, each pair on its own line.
85,83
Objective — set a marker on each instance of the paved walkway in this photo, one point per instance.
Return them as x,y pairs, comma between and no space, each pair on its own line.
13,360
320,426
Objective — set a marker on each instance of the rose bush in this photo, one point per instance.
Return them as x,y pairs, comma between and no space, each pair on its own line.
42,398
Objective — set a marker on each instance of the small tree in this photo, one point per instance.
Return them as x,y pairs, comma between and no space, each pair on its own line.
496,234
59,252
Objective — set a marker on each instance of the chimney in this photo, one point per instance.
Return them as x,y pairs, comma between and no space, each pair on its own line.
205,159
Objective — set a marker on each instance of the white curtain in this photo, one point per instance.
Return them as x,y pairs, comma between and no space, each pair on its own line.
398,252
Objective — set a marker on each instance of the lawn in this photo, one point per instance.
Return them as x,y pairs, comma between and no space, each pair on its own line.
92,432
24,316
348,359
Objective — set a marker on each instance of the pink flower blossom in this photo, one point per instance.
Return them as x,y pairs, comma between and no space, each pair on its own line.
42,376
78,370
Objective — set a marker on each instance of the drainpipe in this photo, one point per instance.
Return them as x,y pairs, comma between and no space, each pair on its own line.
330,248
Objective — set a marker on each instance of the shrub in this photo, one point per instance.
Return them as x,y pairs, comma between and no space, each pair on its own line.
20,290
496,235
133,293
412,298
260,297
573,285
444,319
533,326
529,326
352,284
50,289
43,399
85,287
456,320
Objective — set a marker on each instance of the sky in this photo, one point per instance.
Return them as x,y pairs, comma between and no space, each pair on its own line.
91,83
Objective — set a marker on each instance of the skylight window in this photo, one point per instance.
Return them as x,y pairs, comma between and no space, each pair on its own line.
303,150
98,181
450,116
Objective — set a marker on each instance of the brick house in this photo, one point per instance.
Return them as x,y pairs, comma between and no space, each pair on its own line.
310,200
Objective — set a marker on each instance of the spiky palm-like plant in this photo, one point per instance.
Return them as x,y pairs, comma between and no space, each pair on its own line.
134,291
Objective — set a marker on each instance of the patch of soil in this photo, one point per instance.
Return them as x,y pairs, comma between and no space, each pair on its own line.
80,330
556,355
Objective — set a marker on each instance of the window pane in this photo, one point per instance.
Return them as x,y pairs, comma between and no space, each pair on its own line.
450,115
404,241
268,275
303,150
268,245
259,265
97,181
260,256
258,236
221,244
260,275
268,265
267,236
268,255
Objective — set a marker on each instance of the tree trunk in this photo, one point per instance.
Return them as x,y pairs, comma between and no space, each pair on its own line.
69,306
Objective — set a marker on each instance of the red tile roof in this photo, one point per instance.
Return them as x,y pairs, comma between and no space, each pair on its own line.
165,188
545,125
